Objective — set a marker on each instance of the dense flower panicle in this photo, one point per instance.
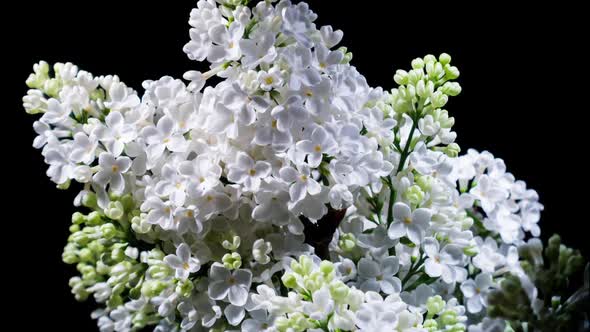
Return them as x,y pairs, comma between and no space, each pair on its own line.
197,196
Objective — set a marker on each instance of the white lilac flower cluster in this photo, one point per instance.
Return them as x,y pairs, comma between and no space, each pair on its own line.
199,204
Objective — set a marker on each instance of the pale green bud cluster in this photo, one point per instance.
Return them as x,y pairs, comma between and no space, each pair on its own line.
347,55
232,261
39,76
427,86
347,242
110,267
41,80
414,195
296,322
442,317
305,277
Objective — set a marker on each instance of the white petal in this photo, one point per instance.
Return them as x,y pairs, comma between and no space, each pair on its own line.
390,265
218,272
297,191
183,252
238,295
415,233
218,289
368,268
474,304
234,314
243,277
468,288
174,261
401,211
432,268
396,230
313,187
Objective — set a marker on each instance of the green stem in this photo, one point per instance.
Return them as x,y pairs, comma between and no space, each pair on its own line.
413,269
406,151
391,200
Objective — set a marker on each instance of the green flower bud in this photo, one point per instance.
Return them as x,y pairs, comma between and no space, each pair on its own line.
347,242
401,77
139,224
184,288
303,266
289,280
80,238
152,288
296,322
108,231
421,89
429,59
452,150
444,58
431,325
327,267
89,200
40,75
88,272
78,218
451,88
435,71
114,210
410,92
434,305
86,255
442,117
417,63
414,195
451,72
118,254
439,99
449,317
299,322
94,219
425,182
51,87
414,76
233,245
102,268
347,58
97,247
161,271
78,289
69,255
339,291
232,261
312,284
74,228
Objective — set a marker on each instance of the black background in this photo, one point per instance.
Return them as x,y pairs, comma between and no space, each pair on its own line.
523,72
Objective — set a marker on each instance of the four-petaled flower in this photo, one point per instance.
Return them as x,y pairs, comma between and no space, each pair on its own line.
182,262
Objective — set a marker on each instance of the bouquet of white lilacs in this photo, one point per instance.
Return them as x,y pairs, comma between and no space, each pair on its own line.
291,196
